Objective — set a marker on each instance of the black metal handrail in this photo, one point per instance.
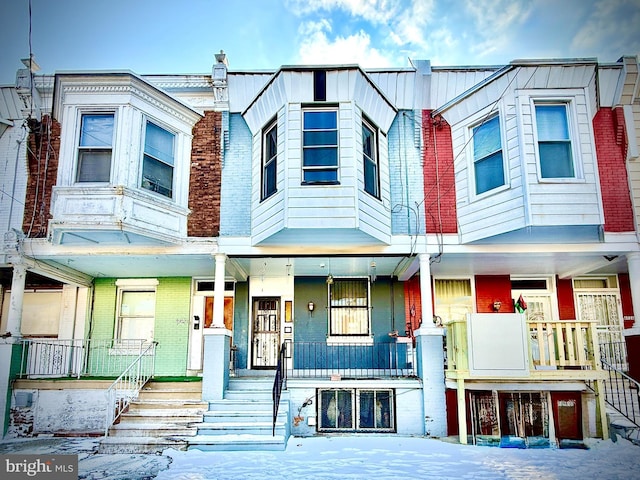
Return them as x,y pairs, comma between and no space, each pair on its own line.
278,383
622,392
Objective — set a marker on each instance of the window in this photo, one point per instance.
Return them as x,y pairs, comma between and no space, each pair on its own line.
356,410
319,85
488,164
269,160
554,143
136,314
157,164
349,307
95,147
453,299
370,159
320,146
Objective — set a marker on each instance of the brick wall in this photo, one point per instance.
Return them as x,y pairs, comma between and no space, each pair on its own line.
205,177
439,176
42,159
490,288
611,145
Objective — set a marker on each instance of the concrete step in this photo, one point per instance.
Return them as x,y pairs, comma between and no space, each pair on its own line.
173,386
240,427
158,404
154,429
236,442
140,444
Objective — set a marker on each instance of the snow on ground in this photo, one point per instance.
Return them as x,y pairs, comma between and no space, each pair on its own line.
350,457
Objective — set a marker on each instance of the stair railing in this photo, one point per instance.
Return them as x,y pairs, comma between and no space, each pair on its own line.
622,392
279,382
128,385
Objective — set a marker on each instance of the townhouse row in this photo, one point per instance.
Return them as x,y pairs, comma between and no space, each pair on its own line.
425,250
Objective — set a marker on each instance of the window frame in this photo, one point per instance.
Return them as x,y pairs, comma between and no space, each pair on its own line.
319,168
359,337
572,140
80,149
475,161
133,285
144,154
268,163
374,159
355,399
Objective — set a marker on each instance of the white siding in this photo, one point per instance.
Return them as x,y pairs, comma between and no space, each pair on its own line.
526,200
634,166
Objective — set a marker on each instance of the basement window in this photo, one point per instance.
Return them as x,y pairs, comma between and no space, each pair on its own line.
356,410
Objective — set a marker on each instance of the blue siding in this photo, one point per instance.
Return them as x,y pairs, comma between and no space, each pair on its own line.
235,213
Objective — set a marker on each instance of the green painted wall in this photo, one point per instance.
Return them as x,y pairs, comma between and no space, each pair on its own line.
173,301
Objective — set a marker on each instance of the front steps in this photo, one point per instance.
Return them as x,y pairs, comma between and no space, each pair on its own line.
161,417
243,420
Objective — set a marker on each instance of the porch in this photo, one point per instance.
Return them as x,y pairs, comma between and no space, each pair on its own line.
515,364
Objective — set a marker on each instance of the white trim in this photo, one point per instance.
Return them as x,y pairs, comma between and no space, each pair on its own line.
137,282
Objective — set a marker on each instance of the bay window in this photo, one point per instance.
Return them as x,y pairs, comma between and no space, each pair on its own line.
269,160
488,163
158,160
554,141
370,159
320,146
95,147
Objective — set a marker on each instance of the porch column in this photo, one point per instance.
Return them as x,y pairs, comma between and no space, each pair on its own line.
430,359
14,318
426,299
9,347
218,291
217,342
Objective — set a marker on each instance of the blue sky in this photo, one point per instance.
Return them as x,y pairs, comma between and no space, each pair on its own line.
161,36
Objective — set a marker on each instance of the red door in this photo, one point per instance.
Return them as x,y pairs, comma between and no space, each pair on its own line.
567,415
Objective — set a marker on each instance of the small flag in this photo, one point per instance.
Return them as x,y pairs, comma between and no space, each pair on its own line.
521,305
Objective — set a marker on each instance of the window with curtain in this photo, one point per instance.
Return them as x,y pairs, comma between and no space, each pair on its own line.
488,164
136,314
370,159
349,307
95,147
452,299
269,160
554,142
158,160
320,146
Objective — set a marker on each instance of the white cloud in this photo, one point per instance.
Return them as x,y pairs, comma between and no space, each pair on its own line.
610,31
317,48
374,11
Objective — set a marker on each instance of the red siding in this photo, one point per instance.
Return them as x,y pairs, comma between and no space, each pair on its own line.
490,288
42,158
205,177
566,304
611,146
439,178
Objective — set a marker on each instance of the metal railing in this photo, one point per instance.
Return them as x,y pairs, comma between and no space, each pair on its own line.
279,382
352,360
620,390
128,385
53,358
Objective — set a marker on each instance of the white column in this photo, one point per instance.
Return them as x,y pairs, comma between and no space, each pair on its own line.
14,318
633,264
426,298
218,291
